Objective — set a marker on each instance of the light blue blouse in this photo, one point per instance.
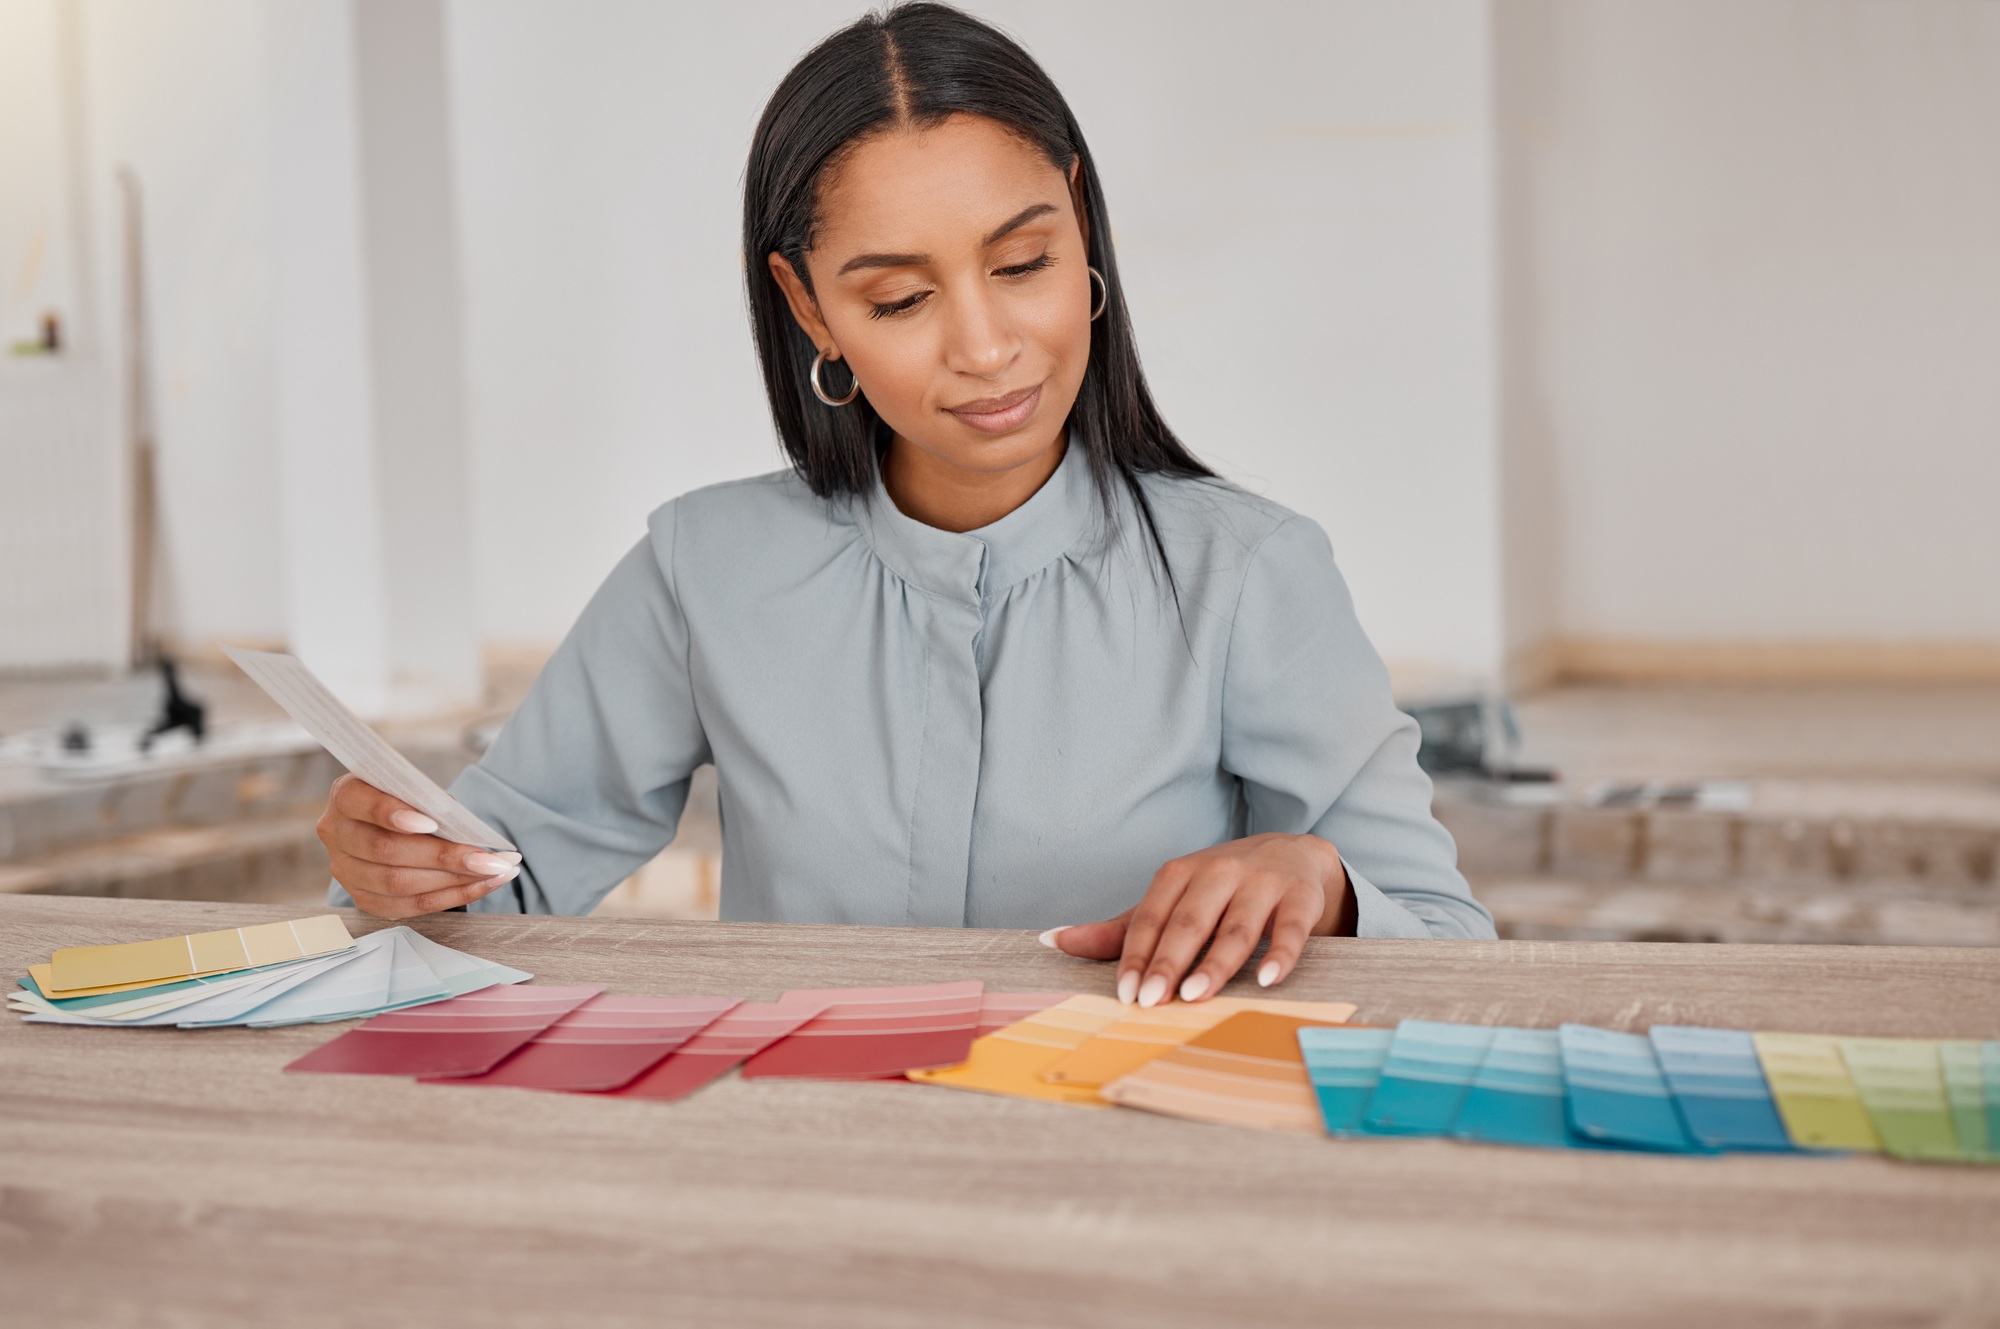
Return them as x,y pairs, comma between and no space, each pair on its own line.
1013,727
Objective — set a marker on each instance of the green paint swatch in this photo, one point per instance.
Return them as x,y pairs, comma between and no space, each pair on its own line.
1901,1082
1815,1095
1965,1094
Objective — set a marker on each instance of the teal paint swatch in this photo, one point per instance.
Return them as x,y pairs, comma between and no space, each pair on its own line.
1424,1077
1617,1094
1345,1065
1719,1085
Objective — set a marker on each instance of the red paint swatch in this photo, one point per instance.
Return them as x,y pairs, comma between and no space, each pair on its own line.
866,1033
461,1036
997,1010
710,1054
602,1044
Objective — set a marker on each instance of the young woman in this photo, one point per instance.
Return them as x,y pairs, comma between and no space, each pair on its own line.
997,650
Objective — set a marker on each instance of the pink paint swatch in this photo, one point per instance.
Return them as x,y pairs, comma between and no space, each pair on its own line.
462,1036
997,1010
869,1033
710,1054
602,1044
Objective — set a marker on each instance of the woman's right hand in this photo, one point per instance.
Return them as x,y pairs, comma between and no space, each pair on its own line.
387,855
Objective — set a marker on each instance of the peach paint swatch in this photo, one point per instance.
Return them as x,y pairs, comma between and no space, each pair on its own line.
1246,1071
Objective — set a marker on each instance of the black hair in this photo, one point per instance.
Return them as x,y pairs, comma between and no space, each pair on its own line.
914,65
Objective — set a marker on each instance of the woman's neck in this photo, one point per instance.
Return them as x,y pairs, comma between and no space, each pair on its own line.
954,498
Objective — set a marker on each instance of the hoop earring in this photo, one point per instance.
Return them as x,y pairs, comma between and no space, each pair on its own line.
1104,294
820,392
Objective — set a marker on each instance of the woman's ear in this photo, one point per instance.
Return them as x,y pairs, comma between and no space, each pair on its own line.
804,308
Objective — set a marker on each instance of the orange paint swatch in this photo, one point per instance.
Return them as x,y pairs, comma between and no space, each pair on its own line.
1246,1071
1142,1034
1010,1061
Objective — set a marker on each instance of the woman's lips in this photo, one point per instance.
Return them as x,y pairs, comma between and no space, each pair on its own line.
997,415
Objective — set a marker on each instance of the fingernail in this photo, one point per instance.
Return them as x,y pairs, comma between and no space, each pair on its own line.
1156,987
1196,985
1268,974
486,863
413,823
1128,983
1048,938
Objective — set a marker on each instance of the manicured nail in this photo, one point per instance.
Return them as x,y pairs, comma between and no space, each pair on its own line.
1196,985
485,864
1128,983
1268,974
413,823
1048,938
1156,987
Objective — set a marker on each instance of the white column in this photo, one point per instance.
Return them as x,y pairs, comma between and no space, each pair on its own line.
371,430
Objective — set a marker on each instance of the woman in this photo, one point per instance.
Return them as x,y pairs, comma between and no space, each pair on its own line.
997,650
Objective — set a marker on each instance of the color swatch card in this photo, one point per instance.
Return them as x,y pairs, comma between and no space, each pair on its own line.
1717,1080
1516,1096
148,1005
1143,1033
1429,1067
1965,1091
1246,1071
997,1010
1816,1096
460,1036
359,748
1901,1083
722,1046
1989,1062
1617,1094
875,1033
1344,1064
604,1044
1012,1061
89,970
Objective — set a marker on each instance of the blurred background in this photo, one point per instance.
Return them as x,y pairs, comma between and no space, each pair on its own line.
1642,358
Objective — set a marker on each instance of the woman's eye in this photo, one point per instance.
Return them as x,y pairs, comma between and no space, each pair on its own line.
1023,269
895,307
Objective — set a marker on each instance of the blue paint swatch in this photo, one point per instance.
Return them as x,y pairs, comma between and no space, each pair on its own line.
1516,1096
1719,1085
1425,1076
1616,1092
1344,1065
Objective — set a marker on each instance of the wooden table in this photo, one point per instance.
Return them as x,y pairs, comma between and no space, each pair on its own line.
172,1177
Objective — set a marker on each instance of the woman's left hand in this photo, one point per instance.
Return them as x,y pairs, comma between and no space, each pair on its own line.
1227,898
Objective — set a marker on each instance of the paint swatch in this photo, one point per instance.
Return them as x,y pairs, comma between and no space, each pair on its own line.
875,1033
1142,1033
1965,1093
1516,1096
77,971
1617,1094
721,1047
1716,1078
1815,1095
1246,1071
461,1036
1901,1083
603,1044
997,1010
1344,1064
1012,1061
1429,1067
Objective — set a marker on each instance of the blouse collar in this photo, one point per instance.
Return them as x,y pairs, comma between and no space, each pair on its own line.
988,560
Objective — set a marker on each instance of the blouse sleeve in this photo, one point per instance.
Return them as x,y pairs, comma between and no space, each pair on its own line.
1309,726
589,776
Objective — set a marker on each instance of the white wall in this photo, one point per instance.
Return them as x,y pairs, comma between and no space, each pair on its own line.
1301,208
1760,314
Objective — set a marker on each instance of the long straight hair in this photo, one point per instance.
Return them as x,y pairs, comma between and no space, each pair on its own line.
912,66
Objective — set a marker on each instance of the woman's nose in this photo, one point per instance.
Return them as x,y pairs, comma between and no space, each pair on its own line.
978,340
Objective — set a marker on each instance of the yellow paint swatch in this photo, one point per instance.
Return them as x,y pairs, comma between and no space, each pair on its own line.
1142,1034
1010,1061
1816,1096
1247,1071
78,971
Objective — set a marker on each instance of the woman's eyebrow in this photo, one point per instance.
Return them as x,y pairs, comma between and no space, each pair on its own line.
1014,223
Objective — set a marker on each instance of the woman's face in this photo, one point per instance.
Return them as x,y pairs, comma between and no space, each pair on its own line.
949,272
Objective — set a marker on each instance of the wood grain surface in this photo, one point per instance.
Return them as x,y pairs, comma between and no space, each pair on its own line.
168,1177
